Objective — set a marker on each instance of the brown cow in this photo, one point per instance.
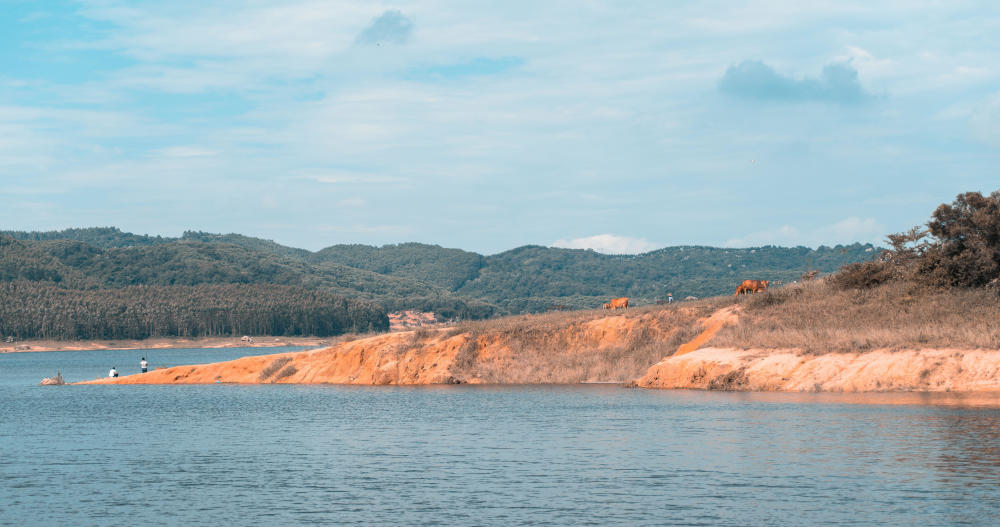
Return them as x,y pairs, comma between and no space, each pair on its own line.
751,286
617,303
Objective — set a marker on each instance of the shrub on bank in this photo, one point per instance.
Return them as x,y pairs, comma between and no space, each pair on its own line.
959,248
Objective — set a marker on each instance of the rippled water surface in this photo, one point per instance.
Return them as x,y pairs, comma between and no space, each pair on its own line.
466,455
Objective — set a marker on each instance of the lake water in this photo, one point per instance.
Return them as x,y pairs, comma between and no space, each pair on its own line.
479,455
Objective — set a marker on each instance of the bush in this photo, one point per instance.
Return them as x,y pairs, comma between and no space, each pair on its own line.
275,365
961,247
289,370
966,248
862,275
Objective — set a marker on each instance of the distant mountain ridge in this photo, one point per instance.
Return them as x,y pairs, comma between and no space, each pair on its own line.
451,282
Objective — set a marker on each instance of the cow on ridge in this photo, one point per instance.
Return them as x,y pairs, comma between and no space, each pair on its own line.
752,286
617,303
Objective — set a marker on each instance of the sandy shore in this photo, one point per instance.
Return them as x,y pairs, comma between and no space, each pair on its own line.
161,343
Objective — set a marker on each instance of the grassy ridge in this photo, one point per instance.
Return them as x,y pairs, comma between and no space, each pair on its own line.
822,317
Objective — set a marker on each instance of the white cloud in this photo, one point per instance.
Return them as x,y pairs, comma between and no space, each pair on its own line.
608,244
846,231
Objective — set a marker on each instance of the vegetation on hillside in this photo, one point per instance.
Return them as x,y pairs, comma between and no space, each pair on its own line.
45,310
24,261
247,242
103,237
447,268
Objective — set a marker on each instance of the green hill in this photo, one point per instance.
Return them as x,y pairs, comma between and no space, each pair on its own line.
104,237
535,278
254,244
447,268
23,261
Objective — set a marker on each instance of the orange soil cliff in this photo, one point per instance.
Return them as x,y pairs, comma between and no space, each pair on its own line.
931,370
374,360
788,370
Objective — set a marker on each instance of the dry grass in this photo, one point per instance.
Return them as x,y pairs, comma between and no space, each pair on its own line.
554,347
820,318
273,367
416,339
289,370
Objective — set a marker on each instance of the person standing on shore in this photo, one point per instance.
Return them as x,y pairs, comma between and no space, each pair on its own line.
113,372
143,365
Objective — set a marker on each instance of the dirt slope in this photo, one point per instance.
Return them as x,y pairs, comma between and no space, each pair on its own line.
788,370
712,325
375,360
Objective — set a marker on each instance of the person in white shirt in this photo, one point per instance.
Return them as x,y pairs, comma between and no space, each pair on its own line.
143,365
113,372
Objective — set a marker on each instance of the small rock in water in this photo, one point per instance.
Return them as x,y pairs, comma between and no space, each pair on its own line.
53,381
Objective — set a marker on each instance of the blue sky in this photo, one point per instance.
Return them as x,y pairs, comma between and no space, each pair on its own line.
579,124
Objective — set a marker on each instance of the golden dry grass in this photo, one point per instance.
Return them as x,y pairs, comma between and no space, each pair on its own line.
273,367
819,318
548,348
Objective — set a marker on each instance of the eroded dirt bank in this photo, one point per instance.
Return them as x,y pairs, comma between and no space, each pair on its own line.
375,360
788,370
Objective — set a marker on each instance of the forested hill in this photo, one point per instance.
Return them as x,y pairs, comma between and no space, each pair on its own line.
171,262
451,282
535,278
104,237
448,268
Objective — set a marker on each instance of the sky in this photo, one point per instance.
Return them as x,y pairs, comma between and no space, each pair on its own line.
617,126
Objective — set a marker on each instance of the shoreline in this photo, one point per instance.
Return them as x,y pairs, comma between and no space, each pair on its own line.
28,346
571,350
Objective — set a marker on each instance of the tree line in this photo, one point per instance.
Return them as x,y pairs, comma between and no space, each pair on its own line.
46,310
